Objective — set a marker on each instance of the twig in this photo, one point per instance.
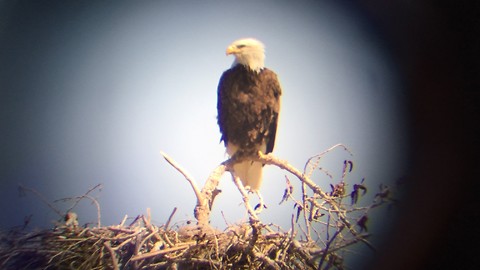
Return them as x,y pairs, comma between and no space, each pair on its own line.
170,218
99,217
159,252
327,246
112,255
23,188
187,176
271,160
149,216
292,234
272,264
319,156
305,211
79,198
251,212
123,221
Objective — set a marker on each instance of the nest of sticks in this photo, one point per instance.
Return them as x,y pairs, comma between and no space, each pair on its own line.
143,245
322,226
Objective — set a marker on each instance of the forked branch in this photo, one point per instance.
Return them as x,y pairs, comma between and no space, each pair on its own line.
316,202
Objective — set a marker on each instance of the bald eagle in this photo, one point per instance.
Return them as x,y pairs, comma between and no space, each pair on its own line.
248,106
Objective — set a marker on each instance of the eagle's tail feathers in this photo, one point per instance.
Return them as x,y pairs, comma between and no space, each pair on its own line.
250,173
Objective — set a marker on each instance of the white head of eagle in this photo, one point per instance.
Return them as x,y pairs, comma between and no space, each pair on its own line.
248,106
248,52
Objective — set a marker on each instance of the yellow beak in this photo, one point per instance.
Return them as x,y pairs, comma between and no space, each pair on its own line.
231,50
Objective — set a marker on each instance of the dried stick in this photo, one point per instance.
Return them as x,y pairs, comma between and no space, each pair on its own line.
282,164
99,216
292,233
251,212
187,176
327,246
112,255
305,211
271,263
123,221
22,190
79,198
319,156
170,218
163,251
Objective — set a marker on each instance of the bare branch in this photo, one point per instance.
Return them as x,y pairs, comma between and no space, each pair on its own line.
209,192
99,217
23,188
282,164
315,204
316,159
327,246
185,174
253,217
79,198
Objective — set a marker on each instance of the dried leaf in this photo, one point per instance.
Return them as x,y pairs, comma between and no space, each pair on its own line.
362,222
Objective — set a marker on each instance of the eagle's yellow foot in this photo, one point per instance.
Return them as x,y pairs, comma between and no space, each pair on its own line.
261,154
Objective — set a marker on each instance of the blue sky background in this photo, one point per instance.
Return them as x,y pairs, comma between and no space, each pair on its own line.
92,91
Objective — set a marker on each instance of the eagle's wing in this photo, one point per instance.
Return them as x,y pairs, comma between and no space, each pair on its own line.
222,107
276,91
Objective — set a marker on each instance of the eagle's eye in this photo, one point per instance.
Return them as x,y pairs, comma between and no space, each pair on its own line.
241,46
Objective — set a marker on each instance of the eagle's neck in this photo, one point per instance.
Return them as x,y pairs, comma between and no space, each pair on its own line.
254,62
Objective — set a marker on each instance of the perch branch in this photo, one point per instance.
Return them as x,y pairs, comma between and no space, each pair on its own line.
209,192
282,164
